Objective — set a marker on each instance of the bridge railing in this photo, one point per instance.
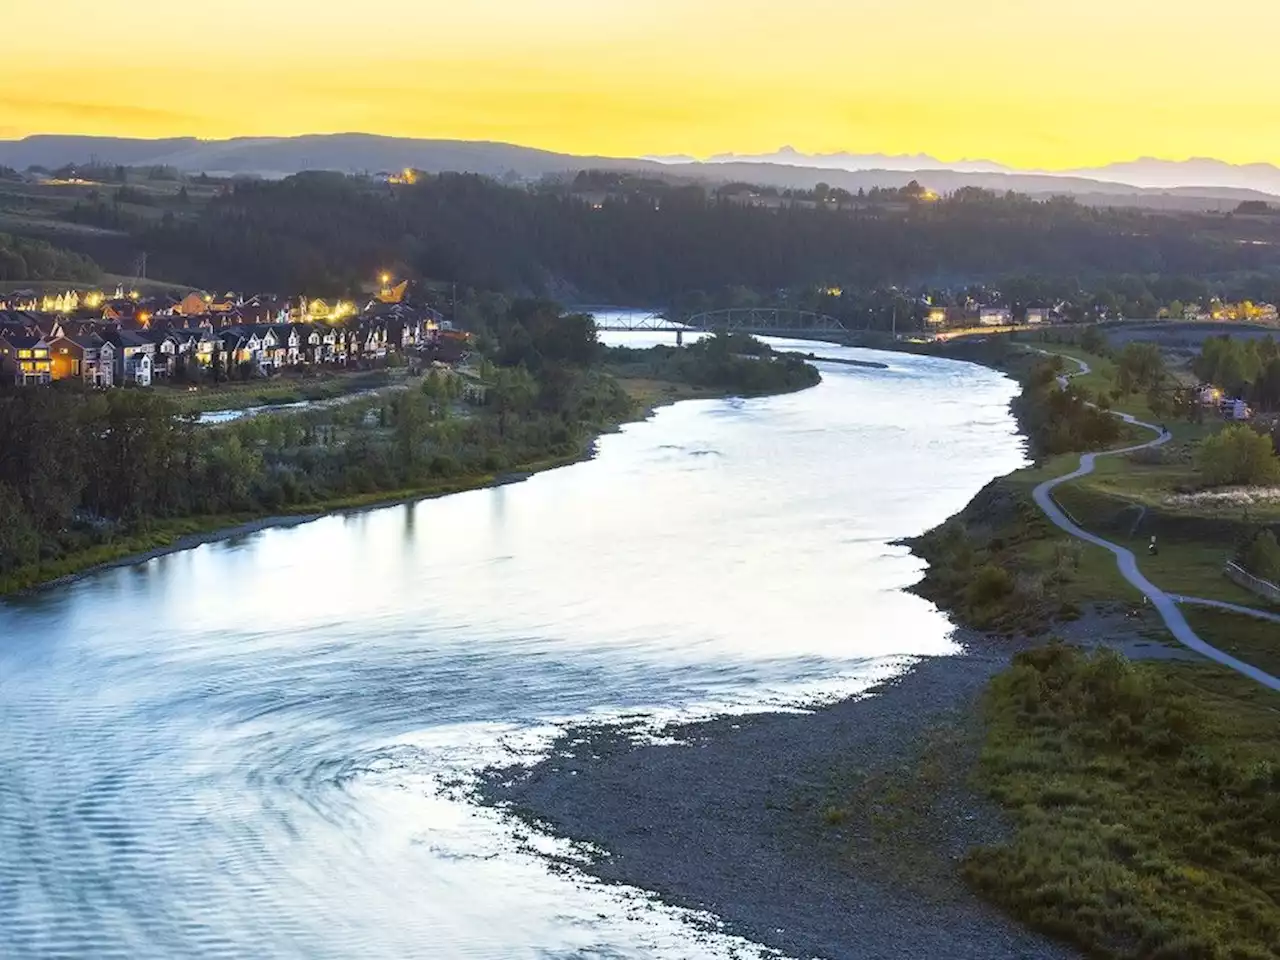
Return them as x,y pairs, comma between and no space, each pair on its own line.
765,319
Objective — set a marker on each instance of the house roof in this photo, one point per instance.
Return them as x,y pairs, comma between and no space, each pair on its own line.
21,341
129,338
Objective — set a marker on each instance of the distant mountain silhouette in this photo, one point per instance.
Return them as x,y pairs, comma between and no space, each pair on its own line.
1146,182
910,163
281,156
1148,172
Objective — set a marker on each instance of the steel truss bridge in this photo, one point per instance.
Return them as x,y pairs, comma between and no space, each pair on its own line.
802,324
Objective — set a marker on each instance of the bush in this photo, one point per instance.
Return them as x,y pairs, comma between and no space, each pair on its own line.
1237,456
1147,823
1262,557
990,585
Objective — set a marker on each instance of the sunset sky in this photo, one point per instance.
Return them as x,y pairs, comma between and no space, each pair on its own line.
1033,83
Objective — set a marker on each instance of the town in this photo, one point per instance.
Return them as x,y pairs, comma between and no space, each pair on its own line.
127,339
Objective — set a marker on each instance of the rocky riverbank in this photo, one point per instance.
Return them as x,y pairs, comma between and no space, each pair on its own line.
735,820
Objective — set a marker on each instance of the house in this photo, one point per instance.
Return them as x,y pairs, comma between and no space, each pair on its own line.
134,357
1236,410
167,348
231,348
1037,315
24,360
1208,395
196,345
288,344
251,345
84,357
192,305
936,317
995,316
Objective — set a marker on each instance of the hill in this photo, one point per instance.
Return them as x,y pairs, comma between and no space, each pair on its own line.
1144,183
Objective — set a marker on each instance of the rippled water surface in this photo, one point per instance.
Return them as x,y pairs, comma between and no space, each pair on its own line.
261,747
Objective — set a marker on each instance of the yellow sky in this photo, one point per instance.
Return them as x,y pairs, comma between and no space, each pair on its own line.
1033,83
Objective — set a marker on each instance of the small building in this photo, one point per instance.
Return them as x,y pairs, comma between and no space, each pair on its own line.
936,317
1236,410
995,317
1037,315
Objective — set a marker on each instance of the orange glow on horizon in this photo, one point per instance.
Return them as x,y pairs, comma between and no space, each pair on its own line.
1039,84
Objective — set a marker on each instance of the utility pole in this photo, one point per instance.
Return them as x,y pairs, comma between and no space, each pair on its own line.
895,321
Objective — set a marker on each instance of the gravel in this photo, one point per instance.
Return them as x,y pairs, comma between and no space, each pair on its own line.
730,820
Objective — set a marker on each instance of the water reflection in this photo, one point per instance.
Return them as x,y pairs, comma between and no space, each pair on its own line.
258,747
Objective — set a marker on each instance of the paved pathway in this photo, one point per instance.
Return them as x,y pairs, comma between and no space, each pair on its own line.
1229,607
1165,603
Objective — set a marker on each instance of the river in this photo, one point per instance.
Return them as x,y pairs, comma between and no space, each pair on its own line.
263,747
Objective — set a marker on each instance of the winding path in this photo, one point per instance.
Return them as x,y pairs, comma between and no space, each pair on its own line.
1165,603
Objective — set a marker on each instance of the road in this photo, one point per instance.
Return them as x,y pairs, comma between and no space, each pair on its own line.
1166,604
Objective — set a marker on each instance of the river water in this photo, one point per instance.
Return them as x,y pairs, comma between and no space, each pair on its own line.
262,748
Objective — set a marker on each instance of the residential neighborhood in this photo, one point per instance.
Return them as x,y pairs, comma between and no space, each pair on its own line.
125,339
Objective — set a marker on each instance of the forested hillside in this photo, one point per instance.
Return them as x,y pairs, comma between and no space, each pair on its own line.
23,259
319,231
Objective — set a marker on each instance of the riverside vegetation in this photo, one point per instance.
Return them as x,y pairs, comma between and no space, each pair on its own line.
92,476
1141,796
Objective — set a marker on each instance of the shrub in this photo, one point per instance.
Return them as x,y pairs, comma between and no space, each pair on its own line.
1237,456
990,585
1147,825
1262,557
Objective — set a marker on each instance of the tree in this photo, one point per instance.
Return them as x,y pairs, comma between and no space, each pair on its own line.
1140,366
19,539
1237,456
1266,389
513,391
1092,340
411,424
1262,557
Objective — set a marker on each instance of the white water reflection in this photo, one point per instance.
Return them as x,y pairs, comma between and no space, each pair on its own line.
261,748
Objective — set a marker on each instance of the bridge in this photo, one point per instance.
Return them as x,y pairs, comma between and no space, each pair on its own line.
756,321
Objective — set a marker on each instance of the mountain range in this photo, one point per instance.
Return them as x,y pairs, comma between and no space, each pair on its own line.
1189,184
1145,172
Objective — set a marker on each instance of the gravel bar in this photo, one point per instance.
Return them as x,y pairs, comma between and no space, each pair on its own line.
729,821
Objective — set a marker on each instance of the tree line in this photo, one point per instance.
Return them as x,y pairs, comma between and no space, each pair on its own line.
23,259
1244,368
324,231
83,468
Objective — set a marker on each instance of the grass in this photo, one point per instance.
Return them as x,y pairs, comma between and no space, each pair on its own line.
159,535
1146,812
1144,797
1247,638
170,534
650,393
237,395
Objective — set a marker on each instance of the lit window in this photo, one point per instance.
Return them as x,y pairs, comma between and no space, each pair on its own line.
24,354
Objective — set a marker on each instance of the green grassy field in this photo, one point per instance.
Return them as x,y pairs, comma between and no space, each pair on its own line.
240,394
1146,810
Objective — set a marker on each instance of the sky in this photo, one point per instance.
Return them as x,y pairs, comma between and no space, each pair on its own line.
1046,84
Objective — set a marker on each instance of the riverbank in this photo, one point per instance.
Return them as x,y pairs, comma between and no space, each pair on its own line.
190,533
875,828
167,537
736,820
